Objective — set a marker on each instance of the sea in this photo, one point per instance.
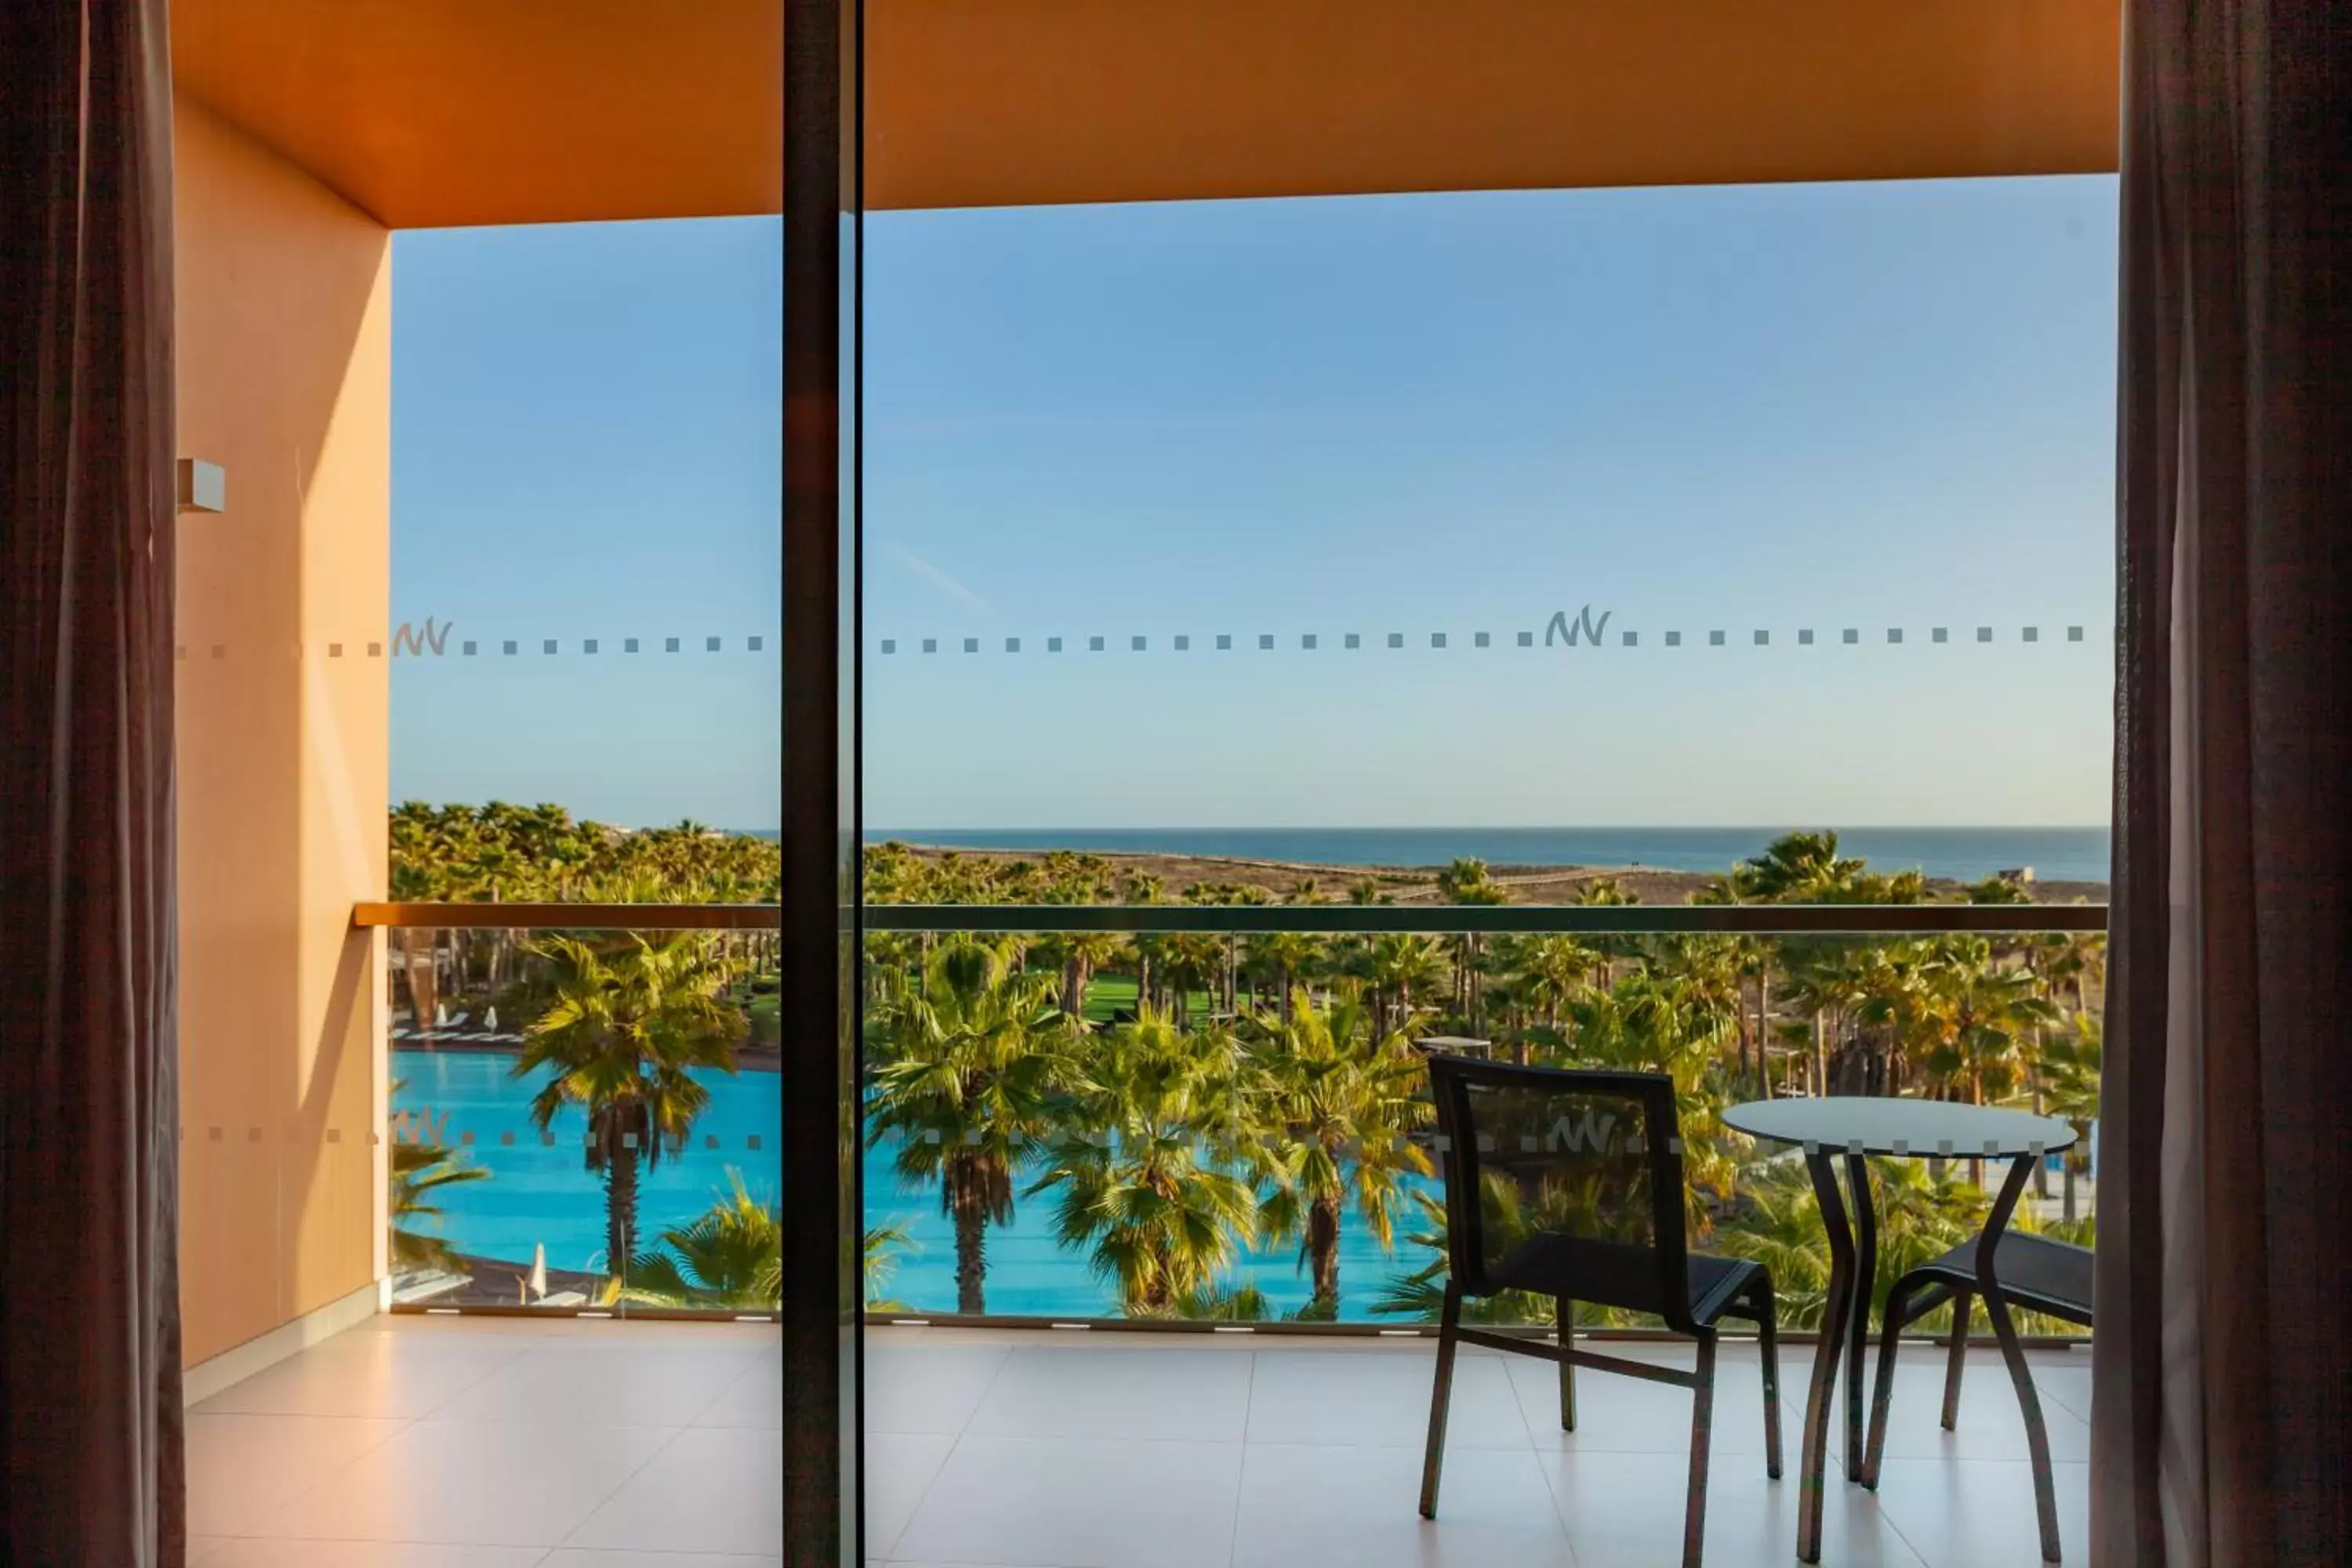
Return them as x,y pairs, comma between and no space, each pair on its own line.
1966,853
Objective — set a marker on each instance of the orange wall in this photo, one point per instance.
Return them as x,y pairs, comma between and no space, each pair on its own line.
284,364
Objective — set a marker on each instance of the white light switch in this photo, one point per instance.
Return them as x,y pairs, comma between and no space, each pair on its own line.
203,486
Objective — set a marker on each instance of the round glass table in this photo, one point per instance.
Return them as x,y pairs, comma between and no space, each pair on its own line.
1855,1128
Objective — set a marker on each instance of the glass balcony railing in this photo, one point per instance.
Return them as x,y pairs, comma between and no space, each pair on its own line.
1217,1111
584,1108
1211,1110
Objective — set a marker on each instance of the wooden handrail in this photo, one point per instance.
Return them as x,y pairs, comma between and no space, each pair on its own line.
568,917
1687,920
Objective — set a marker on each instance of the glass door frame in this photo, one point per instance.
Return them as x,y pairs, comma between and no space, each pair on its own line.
823,1492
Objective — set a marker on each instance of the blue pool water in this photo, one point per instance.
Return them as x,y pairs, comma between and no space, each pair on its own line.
1030,1275
539,1194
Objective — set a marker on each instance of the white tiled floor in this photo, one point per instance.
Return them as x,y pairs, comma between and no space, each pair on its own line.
487,1443
473,1443
1023,1450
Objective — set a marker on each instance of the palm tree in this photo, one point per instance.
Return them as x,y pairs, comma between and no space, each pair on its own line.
961,1071
1980,1009
417,1171
1838,986
1081,954
1339,1102
1550,974
1191,962
1286,958
1422,1293
1395,970
1143,1162
1795,866
1705,972
730,1257
2070,1068
1778,1223
1606,892
1467,881
1649,1022
1750,958
629,1025
1976,1013
883,1244
1244,1303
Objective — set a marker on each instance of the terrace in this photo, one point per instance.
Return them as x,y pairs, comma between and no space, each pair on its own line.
1019,1447
403,1279
1057,1425
1305,440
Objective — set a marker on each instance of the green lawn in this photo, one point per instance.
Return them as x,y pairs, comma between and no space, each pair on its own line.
765,1012
1109,993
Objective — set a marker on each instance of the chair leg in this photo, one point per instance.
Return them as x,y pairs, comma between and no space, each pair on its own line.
1957,1360
1567,1310
1440,1396
1701,1435
1898,1310
2037,1436
1768,1343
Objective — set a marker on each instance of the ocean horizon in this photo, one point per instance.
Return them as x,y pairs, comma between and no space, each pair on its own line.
1964,854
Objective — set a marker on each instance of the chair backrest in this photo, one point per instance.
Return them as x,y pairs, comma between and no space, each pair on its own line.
1570,1177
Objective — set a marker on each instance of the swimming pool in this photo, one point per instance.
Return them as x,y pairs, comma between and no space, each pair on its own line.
1029,1274
538,1195
541,1195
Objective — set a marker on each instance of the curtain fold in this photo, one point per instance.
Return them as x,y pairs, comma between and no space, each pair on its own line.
2222,1412
90,1421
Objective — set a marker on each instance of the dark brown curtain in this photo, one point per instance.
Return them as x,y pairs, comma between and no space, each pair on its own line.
90,1425
2222,1430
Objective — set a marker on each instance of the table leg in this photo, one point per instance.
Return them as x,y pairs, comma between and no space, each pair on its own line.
1866,1288
1822,1389
2037,1436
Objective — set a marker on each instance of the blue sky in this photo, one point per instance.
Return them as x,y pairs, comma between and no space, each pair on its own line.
1777,408
587,443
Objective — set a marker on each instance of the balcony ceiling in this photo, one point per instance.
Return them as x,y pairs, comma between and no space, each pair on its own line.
430,112
1002,102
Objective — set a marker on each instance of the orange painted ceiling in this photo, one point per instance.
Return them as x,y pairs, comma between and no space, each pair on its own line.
433,113
428,113
986,102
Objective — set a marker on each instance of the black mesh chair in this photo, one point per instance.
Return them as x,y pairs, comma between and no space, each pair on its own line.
1568,1186
2028,1273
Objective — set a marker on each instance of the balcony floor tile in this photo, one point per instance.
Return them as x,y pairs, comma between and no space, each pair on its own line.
242,1468
659,1384
1380,1402
1106,1504
457,1443
472,1483
1080,1391
928,1386
1359,1506
261,1553
711,1491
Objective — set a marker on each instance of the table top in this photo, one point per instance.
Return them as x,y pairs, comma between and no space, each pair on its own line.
1911,1127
